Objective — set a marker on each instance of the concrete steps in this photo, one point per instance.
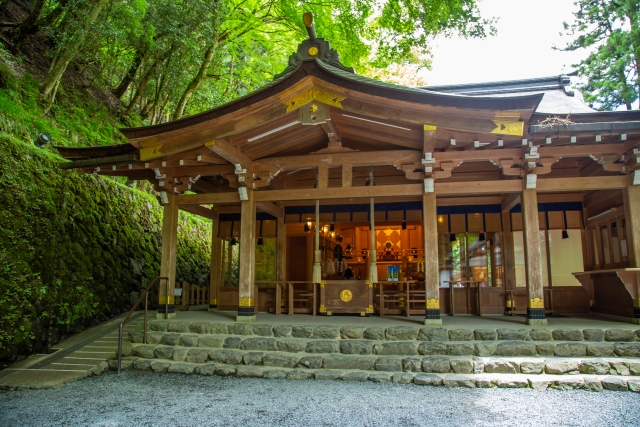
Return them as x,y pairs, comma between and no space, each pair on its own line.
593,359
81,356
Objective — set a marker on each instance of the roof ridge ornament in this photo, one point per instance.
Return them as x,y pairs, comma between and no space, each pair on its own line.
313,48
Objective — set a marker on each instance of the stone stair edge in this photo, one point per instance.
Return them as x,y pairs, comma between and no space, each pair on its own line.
396,333
414,363
407,348
477,380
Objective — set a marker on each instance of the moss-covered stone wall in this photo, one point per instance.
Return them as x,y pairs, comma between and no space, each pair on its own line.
75,249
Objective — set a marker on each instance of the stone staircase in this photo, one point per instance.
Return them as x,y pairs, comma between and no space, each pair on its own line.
593,359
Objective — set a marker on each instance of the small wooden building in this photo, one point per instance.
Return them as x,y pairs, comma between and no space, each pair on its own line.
335,193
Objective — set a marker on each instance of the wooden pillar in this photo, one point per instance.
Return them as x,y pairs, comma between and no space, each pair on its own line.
281,251
533,258
166,299
631,196
216,264
246,297
431,274
508,260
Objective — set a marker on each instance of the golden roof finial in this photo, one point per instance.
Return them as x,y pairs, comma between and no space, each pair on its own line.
308,22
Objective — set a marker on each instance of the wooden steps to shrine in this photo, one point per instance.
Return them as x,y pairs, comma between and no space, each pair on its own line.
593,359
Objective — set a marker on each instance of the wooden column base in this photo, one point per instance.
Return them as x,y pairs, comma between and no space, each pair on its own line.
160,315
246,314
245,319
433,322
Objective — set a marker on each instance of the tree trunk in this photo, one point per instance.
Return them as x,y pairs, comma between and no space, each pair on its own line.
141,85
195,83
66,53
129,76
26,26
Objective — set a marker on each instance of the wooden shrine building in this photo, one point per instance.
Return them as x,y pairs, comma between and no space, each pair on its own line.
335,193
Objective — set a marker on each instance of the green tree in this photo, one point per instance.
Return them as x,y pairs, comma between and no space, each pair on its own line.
610,30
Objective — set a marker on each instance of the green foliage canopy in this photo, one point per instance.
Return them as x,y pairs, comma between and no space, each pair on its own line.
610,30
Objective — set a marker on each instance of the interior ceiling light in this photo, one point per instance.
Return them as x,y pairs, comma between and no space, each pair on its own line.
373,121
278,129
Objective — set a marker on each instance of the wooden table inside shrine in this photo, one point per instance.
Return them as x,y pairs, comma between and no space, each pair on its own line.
346,296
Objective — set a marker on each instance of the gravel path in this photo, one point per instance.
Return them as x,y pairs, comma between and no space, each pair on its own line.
139,399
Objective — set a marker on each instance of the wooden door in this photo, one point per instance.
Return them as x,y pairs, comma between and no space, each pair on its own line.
297,263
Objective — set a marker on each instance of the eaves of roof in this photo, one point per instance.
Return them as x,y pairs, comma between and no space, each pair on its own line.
347,80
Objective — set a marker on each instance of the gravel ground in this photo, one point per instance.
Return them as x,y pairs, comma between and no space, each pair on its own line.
139,399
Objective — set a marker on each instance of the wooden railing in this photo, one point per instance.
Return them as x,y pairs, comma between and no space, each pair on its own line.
144,295
192,295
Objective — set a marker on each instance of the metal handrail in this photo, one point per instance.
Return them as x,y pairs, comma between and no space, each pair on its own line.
144,295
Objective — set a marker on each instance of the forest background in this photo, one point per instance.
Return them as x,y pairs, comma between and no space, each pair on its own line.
75,248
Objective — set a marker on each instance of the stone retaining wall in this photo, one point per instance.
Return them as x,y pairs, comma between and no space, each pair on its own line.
397,333
539,382
593,359
383,347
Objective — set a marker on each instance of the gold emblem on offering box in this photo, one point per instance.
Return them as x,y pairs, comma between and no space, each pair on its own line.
346,295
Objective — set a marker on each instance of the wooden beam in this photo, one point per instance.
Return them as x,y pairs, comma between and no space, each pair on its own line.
510,202
347,175
344,192
270,208
411,190
230,153
582,183
102,161
335,140
429,139
355,158
207,198
200,210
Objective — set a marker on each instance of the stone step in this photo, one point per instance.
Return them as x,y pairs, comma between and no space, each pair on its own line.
395,333
439,364
384,347
487,380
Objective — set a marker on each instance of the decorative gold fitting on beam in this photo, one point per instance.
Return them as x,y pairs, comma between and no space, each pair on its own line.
213,301
322,283
313,94
432,304
245,302
369,284
162,299
369,309
508,128
430,127
151,152
509,303
535,303
322,308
